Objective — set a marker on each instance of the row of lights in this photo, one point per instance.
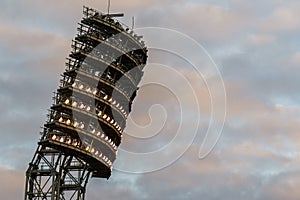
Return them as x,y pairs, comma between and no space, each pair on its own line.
95,52
99,154
99,114
96,33
75,143
81,125
119,44
95,91
110,120
80,47
82,106
105,57
138,38
98,74
130,32
109,78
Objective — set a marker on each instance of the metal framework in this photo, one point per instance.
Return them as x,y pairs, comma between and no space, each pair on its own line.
86,121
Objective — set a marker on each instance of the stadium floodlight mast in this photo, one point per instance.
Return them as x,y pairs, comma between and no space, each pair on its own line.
85,123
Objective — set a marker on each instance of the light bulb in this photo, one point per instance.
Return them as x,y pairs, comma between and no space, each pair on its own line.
60,119
82,126
68,122
88,108
81,86
53,137
61,139
95,92
81,106
67,101
74,84
75,124
105,97
74,104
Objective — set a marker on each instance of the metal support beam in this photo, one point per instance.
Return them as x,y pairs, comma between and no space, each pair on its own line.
55,175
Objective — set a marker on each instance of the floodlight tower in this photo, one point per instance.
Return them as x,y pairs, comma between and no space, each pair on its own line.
86,121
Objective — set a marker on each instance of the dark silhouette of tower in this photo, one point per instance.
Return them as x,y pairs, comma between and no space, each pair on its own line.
88,115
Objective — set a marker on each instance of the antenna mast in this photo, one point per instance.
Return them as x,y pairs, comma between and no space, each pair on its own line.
132,23
108,7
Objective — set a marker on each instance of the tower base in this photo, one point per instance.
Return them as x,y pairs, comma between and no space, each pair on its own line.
53,175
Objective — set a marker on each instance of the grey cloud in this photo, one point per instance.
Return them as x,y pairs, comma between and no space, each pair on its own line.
257,154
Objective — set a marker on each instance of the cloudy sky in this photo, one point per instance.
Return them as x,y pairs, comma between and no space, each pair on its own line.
252,48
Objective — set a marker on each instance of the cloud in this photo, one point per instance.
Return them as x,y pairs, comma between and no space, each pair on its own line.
261,39
294,60
204,22
13,186
282,19
254,42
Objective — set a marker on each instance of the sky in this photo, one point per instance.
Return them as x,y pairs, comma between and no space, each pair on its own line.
217,113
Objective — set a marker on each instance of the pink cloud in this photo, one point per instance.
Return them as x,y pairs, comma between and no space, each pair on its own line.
13,186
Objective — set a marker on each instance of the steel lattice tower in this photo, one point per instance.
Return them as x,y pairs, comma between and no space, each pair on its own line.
86,121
